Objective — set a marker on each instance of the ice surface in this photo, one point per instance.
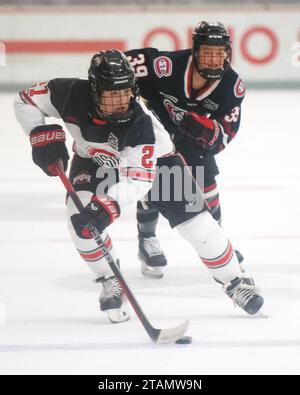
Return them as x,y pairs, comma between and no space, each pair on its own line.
53,325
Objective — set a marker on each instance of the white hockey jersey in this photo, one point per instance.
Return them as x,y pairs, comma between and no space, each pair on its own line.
132,148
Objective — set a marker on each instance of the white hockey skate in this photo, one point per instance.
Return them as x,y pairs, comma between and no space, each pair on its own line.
113,301
151,256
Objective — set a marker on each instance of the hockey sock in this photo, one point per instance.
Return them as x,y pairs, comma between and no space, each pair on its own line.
212,245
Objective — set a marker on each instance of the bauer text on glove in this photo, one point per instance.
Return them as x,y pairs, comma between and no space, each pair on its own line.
48,146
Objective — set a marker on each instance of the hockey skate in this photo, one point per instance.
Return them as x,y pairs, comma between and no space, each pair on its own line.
244,294
151,256
113,300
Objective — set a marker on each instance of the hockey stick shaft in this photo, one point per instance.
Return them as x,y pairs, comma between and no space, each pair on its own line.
152,332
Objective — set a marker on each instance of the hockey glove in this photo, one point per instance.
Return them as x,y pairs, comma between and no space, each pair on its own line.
201,130
100,212
48,145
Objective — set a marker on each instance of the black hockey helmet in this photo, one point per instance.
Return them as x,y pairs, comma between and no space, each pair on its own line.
211,33
111,71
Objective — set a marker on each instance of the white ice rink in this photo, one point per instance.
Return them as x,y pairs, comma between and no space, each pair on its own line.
53,325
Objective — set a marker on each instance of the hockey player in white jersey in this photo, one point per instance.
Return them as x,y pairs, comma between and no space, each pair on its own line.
117,138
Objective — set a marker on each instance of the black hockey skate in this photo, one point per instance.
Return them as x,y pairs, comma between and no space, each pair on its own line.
244,294
151,256
113,300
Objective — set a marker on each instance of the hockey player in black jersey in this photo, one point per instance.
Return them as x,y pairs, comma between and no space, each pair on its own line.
197,96
115,132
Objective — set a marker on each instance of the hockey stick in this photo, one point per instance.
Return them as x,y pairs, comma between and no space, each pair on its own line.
158,336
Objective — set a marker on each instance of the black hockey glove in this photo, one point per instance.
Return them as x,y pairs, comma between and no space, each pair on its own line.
100,212
201,130
48,145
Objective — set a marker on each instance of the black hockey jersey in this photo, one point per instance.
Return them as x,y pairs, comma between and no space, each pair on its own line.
164,80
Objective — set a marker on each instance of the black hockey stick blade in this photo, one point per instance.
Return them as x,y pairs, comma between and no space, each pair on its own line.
170,335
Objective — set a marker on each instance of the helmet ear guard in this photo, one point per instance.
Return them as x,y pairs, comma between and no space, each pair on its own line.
211,34
111,71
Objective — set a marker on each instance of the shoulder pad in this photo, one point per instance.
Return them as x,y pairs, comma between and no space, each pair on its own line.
68,95
234,80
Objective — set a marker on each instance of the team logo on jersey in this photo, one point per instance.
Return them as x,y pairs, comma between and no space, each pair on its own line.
113,141
103,157
239,88
82,178
175,113
163,66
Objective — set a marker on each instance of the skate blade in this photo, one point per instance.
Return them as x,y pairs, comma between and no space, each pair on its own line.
117,316
151,271
261,315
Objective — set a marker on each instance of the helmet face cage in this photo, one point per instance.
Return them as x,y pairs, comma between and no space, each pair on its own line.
114,105
113,86
211,34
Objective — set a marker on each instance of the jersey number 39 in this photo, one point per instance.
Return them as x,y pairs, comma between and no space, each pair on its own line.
138,64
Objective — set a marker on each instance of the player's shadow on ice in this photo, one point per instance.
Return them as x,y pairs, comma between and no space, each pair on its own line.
178,284
189,283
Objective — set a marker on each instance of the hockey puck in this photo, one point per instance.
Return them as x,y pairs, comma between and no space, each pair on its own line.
184,340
